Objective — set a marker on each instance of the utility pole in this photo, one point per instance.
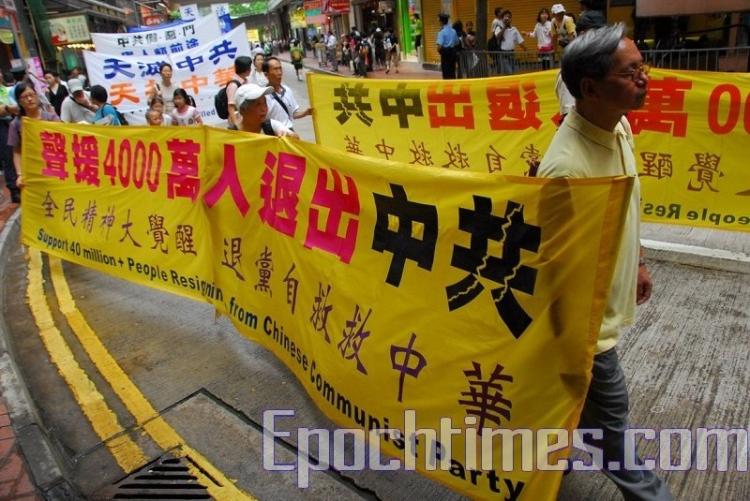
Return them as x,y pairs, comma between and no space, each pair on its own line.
481,25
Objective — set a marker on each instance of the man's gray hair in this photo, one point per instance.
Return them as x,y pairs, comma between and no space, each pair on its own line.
590,56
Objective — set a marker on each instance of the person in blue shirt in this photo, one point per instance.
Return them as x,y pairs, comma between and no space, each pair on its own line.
447,41
106,114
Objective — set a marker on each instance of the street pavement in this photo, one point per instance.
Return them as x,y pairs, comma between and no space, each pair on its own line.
191,391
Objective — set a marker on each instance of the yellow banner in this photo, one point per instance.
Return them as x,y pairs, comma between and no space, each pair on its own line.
692,133
470,297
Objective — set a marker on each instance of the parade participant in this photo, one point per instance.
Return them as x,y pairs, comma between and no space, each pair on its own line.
416,31
154,118
165,89
256,74
447,42
8,109
281,103
250,99
77,107
157,103
243,66
184,112
604,71
106,114
392,50
56,91
29,105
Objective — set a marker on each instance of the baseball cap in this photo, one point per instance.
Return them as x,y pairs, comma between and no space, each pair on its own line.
74,85
250,92
557,9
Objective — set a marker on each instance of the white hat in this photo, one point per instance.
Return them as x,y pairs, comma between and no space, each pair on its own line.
74,85
557,9
377,30
250,92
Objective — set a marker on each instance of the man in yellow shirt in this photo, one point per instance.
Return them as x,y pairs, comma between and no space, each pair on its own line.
604,71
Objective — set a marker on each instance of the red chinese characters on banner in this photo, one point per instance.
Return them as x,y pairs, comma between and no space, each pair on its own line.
509,111
446,100
53,153
280,199
183,179
86,159
228,180
337,202
664,108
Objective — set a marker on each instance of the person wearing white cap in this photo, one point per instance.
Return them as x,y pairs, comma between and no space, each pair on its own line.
250,100
563,27
76,107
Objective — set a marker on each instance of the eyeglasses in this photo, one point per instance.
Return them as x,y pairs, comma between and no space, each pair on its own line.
634,73
28,96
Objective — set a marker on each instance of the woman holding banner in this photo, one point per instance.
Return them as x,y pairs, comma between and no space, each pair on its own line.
28,102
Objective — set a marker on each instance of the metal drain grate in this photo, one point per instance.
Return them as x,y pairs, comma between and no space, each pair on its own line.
168,477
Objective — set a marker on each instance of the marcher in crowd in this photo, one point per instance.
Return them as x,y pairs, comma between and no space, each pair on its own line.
56,91
165,89
77,73
243,66
543,34
105,113
447,42
605,73
256,74
157,103
330,41
184,112
563,27
8,109
281,103
77,107
250,99
28,102
154,117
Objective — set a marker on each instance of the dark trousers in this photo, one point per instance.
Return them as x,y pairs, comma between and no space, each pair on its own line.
6,160
448,60
606,408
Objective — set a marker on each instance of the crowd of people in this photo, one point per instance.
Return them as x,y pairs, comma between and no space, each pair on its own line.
256,99
361,53
554,29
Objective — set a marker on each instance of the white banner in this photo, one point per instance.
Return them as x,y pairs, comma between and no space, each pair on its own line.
220,9
161,41
201,72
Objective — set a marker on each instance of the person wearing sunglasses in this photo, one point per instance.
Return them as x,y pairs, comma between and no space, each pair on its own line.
604,71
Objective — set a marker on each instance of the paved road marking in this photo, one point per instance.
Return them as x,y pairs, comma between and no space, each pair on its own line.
145,415
104,422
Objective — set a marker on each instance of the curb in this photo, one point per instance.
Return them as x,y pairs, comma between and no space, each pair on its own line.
701,257
37,447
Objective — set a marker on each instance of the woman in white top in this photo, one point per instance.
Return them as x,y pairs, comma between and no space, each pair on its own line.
256,74
543,34
165,89
184,113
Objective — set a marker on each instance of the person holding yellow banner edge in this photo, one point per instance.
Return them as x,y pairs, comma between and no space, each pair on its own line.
250,100
604,71
28,102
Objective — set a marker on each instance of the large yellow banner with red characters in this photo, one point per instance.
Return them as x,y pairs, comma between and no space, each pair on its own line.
692,134
384,288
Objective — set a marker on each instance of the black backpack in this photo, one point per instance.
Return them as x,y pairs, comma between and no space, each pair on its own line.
120,116
221,102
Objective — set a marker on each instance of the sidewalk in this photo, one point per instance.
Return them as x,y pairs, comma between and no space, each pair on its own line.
16,482
407,69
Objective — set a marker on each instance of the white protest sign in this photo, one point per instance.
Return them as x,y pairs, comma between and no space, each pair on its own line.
189,11
161,41
201,72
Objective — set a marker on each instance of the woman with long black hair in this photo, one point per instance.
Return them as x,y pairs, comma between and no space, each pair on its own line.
28,103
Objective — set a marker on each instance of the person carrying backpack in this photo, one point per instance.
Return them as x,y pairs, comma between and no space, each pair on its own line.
106,114
224,99
296,53
250,100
